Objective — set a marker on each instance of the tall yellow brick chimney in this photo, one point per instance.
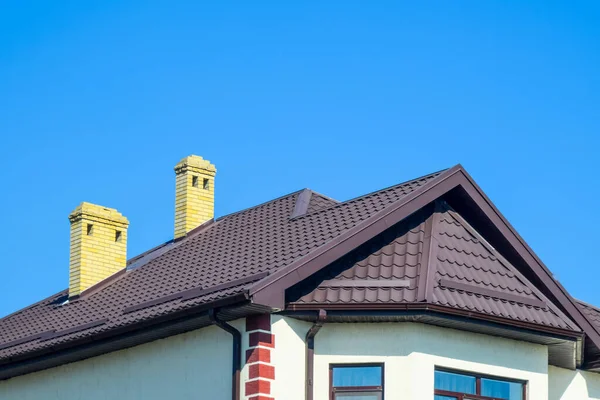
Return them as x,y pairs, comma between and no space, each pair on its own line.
98,245
194,194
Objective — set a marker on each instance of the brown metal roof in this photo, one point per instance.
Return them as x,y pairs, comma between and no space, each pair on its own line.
257,255
395,256
240,247
438,258
592,312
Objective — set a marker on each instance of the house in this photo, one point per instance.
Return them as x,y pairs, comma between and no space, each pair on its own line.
420,291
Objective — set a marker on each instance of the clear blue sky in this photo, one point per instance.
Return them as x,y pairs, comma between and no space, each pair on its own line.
98,101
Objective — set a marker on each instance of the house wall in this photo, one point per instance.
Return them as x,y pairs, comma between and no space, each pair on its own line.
573,385
289,357
197,365
410,352
193,365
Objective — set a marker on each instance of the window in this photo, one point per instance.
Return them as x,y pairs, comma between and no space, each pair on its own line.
356,381
465,386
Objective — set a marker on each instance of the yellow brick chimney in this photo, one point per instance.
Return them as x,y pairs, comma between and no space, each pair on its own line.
194,194
98,245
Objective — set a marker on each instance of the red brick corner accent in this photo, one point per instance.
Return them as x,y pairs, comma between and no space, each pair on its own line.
261,373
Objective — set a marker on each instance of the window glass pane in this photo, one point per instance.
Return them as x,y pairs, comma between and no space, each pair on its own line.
358,396
441,397
356,376
455,382
501,389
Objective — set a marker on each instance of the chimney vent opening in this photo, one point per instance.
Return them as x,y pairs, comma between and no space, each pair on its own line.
194,194
98,245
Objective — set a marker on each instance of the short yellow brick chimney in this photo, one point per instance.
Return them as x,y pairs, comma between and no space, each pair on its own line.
98,245
194,194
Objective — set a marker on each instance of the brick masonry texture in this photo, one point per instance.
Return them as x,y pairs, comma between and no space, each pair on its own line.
96,252
262,339
262,322
194,200
258,356
257,386
260,397
261,371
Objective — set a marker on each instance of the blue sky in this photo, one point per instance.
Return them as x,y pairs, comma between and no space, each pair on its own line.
98,102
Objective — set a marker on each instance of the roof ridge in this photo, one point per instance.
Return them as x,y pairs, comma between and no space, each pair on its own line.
302,203
316,255
341,203
259,205
585,303
324,196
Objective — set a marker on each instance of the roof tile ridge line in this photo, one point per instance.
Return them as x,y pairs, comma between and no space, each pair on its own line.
457,217
341,203
425,257
435,245
258,205
351,232
138,257
37,303
324,196
150,250
178,242
531,253
302,203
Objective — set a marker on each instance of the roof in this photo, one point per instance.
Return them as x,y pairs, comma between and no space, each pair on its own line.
437,257
258,255
592,312
216,261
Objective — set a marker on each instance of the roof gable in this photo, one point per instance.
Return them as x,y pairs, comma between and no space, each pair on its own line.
461,192
386,270
435,257
470,274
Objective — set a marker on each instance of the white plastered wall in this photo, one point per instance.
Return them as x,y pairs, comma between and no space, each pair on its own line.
565,384
410,352
289,358
194,365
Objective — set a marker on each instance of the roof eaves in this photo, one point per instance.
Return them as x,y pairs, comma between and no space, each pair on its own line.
125,336
258,205
342,203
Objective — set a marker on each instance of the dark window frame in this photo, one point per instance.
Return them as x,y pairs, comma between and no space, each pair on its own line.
356,389
478,377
